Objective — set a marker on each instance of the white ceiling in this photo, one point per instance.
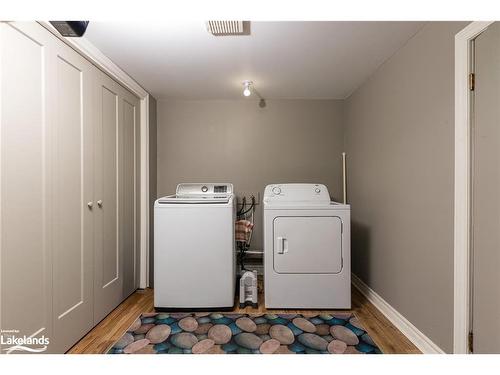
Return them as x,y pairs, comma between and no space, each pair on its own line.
311,60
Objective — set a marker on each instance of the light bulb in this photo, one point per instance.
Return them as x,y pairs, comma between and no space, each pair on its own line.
246,90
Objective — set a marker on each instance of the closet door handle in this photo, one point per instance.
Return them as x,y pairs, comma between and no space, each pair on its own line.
99,203
90,205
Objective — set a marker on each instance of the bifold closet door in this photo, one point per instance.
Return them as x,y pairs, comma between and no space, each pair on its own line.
69,181
71,78
116,187
25,205
108,278
128,153
46,179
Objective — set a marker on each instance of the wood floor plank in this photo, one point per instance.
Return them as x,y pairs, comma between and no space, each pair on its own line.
113,326
389,339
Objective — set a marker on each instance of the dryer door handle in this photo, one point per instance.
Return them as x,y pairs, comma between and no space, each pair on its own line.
282,245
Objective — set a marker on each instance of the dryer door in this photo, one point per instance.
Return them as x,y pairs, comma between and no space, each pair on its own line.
307,244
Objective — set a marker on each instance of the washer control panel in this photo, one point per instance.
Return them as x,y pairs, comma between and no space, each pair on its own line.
307,193
276,190
204,189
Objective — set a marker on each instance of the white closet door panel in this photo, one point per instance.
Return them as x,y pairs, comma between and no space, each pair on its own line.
25,243
72,191
69,187
111,256
137,197
108,280
128,223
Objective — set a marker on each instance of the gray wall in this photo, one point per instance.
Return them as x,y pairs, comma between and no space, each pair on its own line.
236,141
399,140
152,181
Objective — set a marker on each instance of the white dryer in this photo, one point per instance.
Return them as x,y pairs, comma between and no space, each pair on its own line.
194,248
307,250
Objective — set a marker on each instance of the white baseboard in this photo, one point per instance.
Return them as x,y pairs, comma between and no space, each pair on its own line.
421,341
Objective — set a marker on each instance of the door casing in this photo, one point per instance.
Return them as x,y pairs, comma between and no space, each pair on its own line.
462,205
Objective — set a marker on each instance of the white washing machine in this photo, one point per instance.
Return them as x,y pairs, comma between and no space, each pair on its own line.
194,248
307,248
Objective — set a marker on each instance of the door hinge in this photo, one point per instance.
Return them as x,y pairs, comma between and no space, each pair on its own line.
471,342
472,81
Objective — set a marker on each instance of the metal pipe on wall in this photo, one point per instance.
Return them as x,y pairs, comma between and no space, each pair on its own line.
344,177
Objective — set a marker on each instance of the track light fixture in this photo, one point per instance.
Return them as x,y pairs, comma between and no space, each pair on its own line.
248,88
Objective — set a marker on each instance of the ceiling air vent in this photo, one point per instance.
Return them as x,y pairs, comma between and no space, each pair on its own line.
221,28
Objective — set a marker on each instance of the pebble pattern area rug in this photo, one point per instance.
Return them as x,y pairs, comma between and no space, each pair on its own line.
216,333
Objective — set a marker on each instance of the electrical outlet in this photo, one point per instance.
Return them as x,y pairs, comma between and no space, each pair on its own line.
248,196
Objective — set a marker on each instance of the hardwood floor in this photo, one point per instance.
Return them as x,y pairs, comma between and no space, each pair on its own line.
389,339
113,326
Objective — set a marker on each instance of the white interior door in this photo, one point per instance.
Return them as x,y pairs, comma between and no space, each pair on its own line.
108,281
128,152
485,193
25,204
116,193
305,244
69,185
72,188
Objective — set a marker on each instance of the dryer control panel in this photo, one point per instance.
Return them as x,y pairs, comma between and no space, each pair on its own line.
306,193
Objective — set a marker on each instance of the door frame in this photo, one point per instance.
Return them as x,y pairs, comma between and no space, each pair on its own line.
463,181
84,47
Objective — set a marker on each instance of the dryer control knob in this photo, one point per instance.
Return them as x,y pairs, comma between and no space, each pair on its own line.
276,190
317,190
